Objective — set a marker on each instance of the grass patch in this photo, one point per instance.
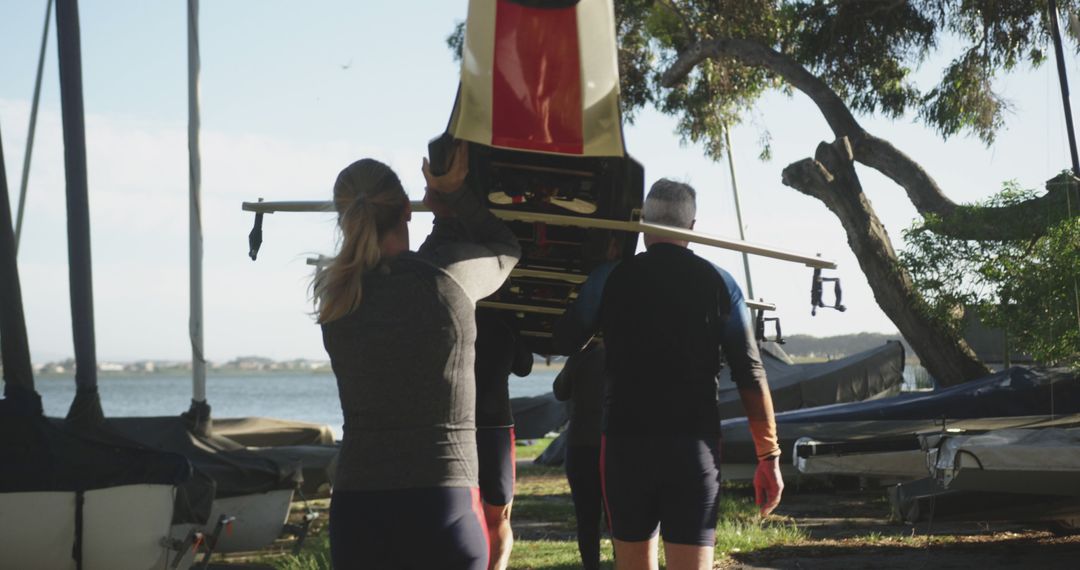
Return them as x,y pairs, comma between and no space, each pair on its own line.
554,555
534,450
314,556
557,511
741,528
540,480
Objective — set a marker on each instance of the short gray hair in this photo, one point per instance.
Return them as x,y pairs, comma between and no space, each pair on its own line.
670,203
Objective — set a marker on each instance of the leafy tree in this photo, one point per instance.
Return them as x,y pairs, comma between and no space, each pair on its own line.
707,63
1025,287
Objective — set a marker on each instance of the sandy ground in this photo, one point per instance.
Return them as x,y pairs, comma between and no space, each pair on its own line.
850,530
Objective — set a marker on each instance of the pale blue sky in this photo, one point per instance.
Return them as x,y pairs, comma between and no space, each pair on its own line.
281,117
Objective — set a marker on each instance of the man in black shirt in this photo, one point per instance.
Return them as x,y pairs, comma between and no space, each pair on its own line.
669,320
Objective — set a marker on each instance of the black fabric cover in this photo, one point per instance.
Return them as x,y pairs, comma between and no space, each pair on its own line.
536,416
39,456
234,469
869,374
272,432
1016,392
14,347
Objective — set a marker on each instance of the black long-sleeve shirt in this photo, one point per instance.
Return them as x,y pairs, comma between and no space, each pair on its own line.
669,320
499,352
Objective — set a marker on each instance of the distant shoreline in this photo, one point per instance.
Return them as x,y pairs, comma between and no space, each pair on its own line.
179,372
229,372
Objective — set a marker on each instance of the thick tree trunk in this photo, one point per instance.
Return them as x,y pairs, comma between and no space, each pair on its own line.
831,178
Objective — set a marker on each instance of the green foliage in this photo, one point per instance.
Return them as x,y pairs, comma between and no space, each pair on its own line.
314,556
866,50
1027,288
717,93
456,40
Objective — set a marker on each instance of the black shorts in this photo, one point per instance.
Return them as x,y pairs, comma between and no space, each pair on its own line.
665,483
436,527
498,467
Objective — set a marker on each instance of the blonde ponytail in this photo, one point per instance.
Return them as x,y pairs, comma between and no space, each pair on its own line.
370,202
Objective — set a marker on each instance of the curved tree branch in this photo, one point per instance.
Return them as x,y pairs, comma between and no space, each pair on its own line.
750,52
831,178
954,220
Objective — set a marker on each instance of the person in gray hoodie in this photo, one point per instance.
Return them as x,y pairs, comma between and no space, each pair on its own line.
400,329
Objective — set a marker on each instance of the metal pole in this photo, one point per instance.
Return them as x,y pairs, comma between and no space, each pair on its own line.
1064,82
1063,79
33,127
195,323
87,404
738,212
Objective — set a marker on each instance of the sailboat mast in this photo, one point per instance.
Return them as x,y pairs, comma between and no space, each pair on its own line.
1055,32
1063,79
195,323
14,348
738,212
87,405
33,127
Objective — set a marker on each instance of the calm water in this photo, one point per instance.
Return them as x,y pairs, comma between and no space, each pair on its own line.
306,397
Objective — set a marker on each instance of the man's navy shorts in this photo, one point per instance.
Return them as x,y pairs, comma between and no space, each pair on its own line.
665,483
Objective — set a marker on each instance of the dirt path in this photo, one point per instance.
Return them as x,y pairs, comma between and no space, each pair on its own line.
851,531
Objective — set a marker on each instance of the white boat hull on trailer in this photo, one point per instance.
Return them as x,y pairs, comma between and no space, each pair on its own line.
902,464
38,529
258,520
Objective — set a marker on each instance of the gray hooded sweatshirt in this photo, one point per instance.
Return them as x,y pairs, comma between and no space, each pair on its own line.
404,358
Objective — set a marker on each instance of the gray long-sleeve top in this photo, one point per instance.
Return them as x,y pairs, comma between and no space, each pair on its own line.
404,359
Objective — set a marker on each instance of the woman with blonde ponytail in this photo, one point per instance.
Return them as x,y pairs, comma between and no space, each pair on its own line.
400,329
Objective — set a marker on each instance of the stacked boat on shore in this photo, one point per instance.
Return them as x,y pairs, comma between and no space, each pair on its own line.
87,491
1005,447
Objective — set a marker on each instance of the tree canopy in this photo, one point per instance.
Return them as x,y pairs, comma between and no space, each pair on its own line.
864,50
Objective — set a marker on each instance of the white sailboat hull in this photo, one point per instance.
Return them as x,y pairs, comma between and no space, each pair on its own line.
123,528
259,520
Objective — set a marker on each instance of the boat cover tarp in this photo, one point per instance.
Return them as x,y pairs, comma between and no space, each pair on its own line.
1012,398
1017,391
555,453
236,470
870,374
316,461
40,456
272,432
536,416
